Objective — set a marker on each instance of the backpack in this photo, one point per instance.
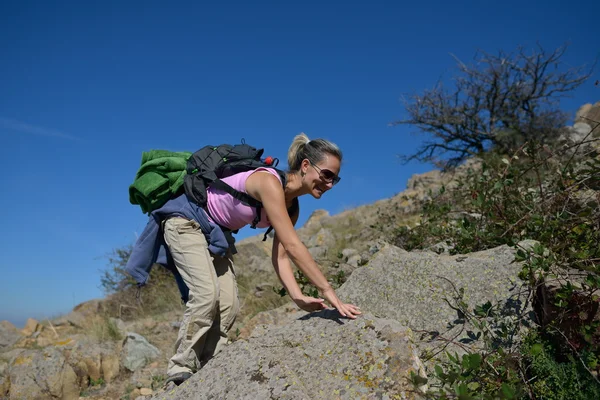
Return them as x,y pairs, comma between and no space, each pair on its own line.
165,174
207,166
159,178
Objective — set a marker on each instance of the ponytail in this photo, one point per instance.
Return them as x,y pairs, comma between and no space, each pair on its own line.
314,150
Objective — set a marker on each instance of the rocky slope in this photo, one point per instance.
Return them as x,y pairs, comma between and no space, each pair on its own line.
299,355
278,351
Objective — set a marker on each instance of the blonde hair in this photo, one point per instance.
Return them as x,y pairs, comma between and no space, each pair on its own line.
314,150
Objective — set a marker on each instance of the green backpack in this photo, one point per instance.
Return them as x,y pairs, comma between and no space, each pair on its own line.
159,178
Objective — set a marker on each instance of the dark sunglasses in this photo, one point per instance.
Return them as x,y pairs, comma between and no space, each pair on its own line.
326,175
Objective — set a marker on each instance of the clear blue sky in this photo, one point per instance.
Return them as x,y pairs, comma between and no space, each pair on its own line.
85,87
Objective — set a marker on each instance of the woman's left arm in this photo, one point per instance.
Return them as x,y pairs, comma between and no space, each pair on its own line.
285,273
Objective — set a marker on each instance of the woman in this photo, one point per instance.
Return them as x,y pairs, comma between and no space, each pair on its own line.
212,307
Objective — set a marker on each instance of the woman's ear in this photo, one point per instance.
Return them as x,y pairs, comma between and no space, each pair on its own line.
304,166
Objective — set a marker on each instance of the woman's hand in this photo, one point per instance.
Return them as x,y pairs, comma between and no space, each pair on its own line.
310,304
347,310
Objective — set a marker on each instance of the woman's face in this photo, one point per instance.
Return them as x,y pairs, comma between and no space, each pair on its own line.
322,176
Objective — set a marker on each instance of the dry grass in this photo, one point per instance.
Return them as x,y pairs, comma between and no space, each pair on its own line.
159,296
103,328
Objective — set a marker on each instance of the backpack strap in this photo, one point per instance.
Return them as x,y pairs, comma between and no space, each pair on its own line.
241,196
291,211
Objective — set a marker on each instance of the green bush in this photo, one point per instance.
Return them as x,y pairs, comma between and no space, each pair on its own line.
554,379
549,196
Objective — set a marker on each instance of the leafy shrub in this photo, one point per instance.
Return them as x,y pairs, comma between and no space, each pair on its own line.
550,197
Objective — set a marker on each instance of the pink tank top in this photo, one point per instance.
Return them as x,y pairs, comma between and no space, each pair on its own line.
228,211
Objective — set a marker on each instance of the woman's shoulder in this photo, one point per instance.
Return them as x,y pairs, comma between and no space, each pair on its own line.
272,171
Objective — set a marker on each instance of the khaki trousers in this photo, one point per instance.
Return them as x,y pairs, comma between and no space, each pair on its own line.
213,299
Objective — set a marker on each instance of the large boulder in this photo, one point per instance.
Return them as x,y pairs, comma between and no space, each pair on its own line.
412,287
316,356
137,351
42,374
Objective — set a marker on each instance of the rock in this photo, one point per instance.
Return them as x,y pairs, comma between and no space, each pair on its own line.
73,318
4,379
261,289
585,129
109,367
82,314
583,111
411,287
323,238
176,325
9,335
314,221
318,252
356,260
581,130
441,248
425,180
277,317
137,352
119,323
139,379
90,307
527,244
102,362
4,387
588,113
42,374
146,392
9,355
31,326
257,263
375,246
318,356
347,253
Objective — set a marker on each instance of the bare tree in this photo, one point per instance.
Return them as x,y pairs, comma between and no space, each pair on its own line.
499,101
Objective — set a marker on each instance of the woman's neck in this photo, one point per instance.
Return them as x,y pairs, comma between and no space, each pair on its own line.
293,187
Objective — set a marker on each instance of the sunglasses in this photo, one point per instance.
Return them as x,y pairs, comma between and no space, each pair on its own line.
326,175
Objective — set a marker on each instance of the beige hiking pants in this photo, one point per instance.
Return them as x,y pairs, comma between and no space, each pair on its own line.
213,299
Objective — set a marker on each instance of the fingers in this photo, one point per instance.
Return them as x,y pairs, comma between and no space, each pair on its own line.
346,310
351,311
354,309
310,304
